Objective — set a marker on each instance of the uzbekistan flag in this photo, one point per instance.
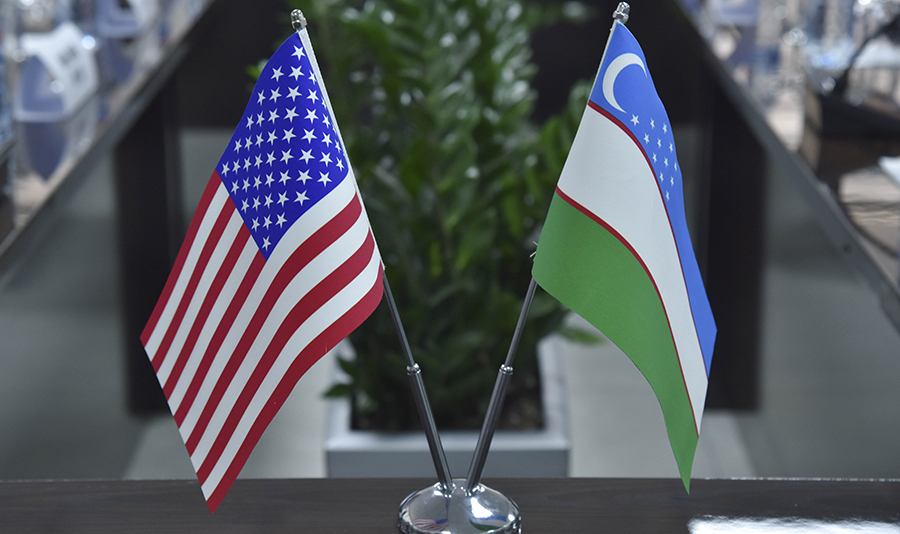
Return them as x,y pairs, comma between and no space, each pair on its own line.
615,247
279,265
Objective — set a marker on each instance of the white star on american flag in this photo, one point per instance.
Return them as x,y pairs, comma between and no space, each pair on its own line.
267,136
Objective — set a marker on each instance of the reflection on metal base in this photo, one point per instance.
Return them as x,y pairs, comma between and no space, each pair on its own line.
481,511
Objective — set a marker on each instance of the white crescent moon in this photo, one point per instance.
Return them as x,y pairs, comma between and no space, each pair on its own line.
612,72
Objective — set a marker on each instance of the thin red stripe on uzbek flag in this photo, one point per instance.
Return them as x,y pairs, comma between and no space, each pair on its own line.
593,105
613,232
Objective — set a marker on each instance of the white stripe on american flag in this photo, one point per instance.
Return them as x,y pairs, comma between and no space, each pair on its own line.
249,252
213,266
324,316
329,335
306,279
236,298
322,212
209,218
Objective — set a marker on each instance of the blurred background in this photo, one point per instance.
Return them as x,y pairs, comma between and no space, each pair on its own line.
786,120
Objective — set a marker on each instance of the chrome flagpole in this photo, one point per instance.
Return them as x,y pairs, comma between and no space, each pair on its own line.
471,508
418,388
298,21
492,417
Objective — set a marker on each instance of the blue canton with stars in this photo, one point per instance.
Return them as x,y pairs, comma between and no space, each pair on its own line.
285,155
625,91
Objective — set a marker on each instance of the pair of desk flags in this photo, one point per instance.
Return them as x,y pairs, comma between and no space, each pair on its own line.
280,263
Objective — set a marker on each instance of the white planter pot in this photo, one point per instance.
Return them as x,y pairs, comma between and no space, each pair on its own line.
538,453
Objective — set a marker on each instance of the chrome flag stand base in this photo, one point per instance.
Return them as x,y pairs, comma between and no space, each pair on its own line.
481,511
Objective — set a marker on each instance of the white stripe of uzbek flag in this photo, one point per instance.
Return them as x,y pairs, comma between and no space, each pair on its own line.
631,203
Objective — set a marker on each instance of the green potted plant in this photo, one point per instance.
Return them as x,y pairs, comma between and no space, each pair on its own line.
434,98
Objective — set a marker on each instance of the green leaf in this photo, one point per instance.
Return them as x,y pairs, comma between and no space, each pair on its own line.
340,390
513,215
254,71
436,263
434,100
348,366
476,240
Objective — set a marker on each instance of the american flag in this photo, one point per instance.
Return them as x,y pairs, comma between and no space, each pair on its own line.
279,265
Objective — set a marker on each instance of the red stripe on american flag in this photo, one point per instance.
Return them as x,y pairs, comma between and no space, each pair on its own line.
234,308
305,253
208,193
215,235
237,247
330,337
305,307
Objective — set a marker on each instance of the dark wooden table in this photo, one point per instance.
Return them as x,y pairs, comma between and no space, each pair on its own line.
370,505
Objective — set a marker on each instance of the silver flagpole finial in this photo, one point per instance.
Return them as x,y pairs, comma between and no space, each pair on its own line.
622,12
298,21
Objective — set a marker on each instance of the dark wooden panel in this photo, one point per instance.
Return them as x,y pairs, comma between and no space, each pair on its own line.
551,506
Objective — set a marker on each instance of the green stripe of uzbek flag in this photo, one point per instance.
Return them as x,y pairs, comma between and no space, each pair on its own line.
622,300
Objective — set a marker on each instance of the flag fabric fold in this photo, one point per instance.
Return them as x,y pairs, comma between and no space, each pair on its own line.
278,266
615,247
